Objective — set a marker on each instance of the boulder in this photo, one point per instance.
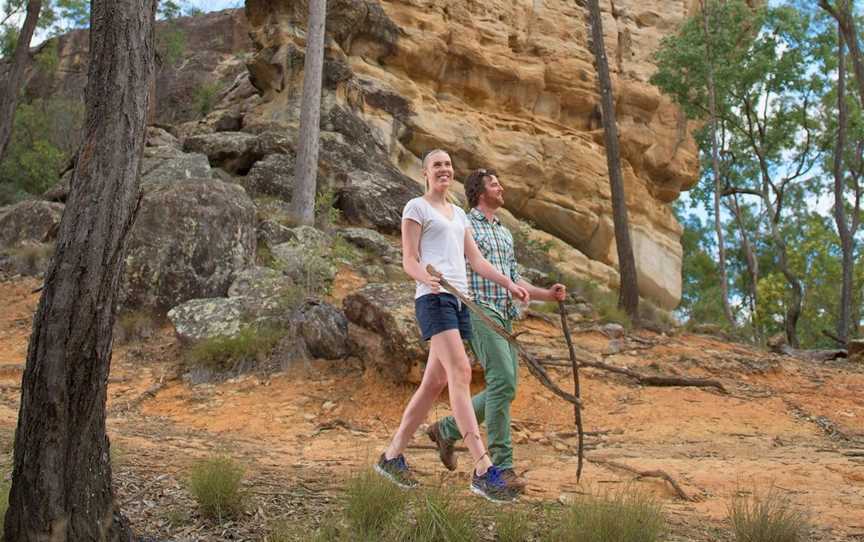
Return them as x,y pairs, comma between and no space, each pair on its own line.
180,166
324,328
200,319
272,233
388,310
189,241
272,176
29,222
234,152
371,241
307,265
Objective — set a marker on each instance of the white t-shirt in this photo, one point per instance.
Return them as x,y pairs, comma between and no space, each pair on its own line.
442,242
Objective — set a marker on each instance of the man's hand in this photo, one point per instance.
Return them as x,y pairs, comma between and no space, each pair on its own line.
558,292
519,292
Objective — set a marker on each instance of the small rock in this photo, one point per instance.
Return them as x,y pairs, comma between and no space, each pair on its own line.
328,406
613,331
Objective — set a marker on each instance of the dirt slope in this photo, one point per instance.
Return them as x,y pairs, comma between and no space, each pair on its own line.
302,432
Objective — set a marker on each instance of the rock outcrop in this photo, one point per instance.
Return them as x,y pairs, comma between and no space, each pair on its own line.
509,85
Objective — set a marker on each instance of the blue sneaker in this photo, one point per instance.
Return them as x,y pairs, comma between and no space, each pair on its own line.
492,486
396,470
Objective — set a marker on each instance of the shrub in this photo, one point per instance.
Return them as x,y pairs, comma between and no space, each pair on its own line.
438,516
604,302
215,485
625,515
135,326
205,97
170,44
31,259
767,517
372,504
223,353
326,214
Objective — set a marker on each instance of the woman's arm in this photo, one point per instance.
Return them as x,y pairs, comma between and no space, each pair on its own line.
486,270
411,232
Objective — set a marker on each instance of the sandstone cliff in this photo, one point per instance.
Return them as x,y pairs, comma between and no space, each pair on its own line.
510,85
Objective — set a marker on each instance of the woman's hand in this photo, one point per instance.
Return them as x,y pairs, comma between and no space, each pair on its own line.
519,292
433,282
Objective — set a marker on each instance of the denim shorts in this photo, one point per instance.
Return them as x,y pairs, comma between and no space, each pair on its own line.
440,312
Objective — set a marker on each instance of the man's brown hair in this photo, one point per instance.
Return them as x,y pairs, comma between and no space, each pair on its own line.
475,185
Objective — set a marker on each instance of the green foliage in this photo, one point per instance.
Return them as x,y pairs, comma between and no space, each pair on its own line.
625,515
326,213
224,353
512,526
44,136
438,516
171,45
205,97
48,59
769,517
215,485
604,302
372,504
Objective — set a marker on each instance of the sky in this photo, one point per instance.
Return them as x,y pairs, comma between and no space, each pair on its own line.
216,5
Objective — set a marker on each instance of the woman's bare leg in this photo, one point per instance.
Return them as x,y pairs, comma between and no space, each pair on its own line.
434,380
449,349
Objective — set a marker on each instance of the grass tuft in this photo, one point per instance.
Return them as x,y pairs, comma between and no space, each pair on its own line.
512,525
372,504
439,516
215,484
767,517
135,326
224,353
626,515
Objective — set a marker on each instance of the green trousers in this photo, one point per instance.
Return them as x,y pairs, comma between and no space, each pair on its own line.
492,405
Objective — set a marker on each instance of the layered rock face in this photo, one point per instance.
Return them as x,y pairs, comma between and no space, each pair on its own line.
507,84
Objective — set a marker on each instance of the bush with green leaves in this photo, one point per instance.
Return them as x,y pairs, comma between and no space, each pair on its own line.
205,97
766,517
215,485
624,515
224,353
45,134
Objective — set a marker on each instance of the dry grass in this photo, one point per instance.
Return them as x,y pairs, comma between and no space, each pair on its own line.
215,484
766,517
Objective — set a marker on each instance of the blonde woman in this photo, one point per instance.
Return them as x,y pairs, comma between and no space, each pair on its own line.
434,231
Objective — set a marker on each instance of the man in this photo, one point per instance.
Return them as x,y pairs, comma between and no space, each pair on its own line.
498,358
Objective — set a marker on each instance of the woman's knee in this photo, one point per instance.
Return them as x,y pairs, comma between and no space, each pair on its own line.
460,374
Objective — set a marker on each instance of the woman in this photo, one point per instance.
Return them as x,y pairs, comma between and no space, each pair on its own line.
436,232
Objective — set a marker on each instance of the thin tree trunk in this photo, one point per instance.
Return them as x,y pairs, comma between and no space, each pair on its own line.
61,481
628,295
306,168
846,240
11,85
752,267
715,165
843,15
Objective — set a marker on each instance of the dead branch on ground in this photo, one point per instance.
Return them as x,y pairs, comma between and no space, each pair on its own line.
646,474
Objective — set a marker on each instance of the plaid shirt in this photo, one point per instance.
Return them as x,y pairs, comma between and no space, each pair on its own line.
496,244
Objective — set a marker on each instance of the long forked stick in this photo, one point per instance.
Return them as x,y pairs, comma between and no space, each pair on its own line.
577,409
534,366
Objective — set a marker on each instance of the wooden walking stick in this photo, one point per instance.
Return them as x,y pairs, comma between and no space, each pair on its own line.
534,366
577,408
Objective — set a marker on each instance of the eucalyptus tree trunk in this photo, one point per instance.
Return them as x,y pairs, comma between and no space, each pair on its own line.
306,169
846,233
752,268
61,480
10,86
628,294
715,166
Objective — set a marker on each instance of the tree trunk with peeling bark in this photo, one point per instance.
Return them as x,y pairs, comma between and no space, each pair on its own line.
10,86
628,294
306,169
61,481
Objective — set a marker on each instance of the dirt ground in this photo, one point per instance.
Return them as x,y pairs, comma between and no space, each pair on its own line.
796,426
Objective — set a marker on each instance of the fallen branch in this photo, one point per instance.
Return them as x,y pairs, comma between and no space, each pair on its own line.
834,338
534,366
577,409
646,474
646,380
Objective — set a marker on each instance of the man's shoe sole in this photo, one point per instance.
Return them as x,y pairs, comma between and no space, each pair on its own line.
477,491
391,478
